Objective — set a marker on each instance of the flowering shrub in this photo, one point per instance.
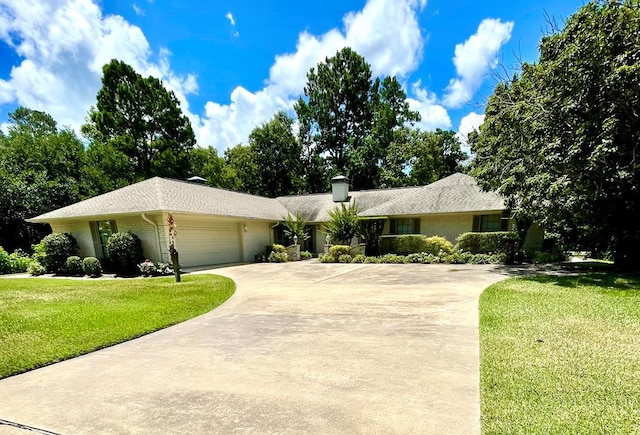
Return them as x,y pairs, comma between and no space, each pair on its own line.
149,268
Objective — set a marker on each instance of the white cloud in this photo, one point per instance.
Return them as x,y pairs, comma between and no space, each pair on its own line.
432,114
64,44
229,17
138,10
469,123
386,33
474,58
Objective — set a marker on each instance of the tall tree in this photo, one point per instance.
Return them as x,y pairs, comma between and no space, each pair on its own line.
277,154
40,170
350,118
139,117
339,108
561,139
240,171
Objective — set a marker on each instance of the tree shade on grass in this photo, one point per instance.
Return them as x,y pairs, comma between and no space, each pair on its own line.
43,321
560,355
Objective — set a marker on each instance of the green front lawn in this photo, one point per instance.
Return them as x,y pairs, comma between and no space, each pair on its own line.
45,320
561,355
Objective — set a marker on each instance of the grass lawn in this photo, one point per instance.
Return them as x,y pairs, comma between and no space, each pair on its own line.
561,355
45,320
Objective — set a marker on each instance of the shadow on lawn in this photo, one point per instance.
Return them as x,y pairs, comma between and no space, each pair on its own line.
573,275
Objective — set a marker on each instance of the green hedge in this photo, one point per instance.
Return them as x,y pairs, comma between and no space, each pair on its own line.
416,243
486,243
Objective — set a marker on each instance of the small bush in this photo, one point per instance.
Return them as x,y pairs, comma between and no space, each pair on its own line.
409,244
416,257
35,268
53,250
345,258
360,258
435,244
372,260
550,257
278,257
74,266
147,268
19,261
92,267
486,243
326,258
337,250
392,259
5,261
306,255
278,249
125,252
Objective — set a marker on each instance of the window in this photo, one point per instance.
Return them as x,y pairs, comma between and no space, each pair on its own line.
404,226
101,231
489,223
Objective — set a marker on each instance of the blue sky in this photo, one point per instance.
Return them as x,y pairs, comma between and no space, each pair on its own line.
233,64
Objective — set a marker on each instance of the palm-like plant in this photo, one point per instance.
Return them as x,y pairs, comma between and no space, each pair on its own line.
296,226
342,225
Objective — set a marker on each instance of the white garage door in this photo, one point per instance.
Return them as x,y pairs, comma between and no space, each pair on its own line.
202,243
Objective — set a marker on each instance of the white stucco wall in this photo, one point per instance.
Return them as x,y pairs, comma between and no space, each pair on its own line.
254,238
81,231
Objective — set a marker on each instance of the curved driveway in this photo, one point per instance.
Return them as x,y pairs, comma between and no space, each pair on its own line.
300,348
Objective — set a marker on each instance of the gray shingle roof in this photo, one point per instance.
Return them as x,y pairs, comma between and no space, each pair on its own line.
456,193
159,194
453,194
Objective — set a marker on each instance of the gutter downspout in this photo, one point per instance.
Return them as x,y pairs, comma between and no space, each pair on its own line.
146,219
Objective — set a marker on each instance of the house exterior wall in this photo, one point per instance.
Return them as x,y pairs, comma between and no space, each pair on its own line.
81,230
255,238
449,226
145,231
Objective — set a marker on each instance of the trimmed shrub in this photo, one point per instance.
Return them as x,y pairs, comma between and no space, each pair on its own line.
486,243
306,255
360,258
53,250
92,267
392,259
337,250
345,258
410,244
5,261
278,257
550,257
125,252
372,260
436,244
19,261
35,268
74,266
325,258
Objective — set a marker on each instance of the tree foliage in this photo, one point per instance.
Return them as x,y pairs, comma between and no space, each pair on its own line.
350,118
40,170
139,117
277,155
561,139
343,223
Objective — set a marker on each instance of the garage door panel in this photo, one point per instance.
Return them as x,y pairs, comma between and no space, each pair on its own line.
202,244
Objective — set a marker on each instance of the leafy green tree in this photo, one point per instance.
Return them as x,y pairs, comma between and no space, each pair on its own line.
339,107
105,169
240,172
560,140
296,226
139,117
40,170
349,119
206,163
277,155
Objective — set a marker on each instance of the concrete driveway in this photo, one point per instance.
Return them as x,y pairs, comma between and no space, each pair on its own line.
300,348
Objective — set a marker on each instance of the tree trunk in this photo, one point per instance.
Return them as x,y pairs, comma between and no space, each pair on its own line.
176,263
